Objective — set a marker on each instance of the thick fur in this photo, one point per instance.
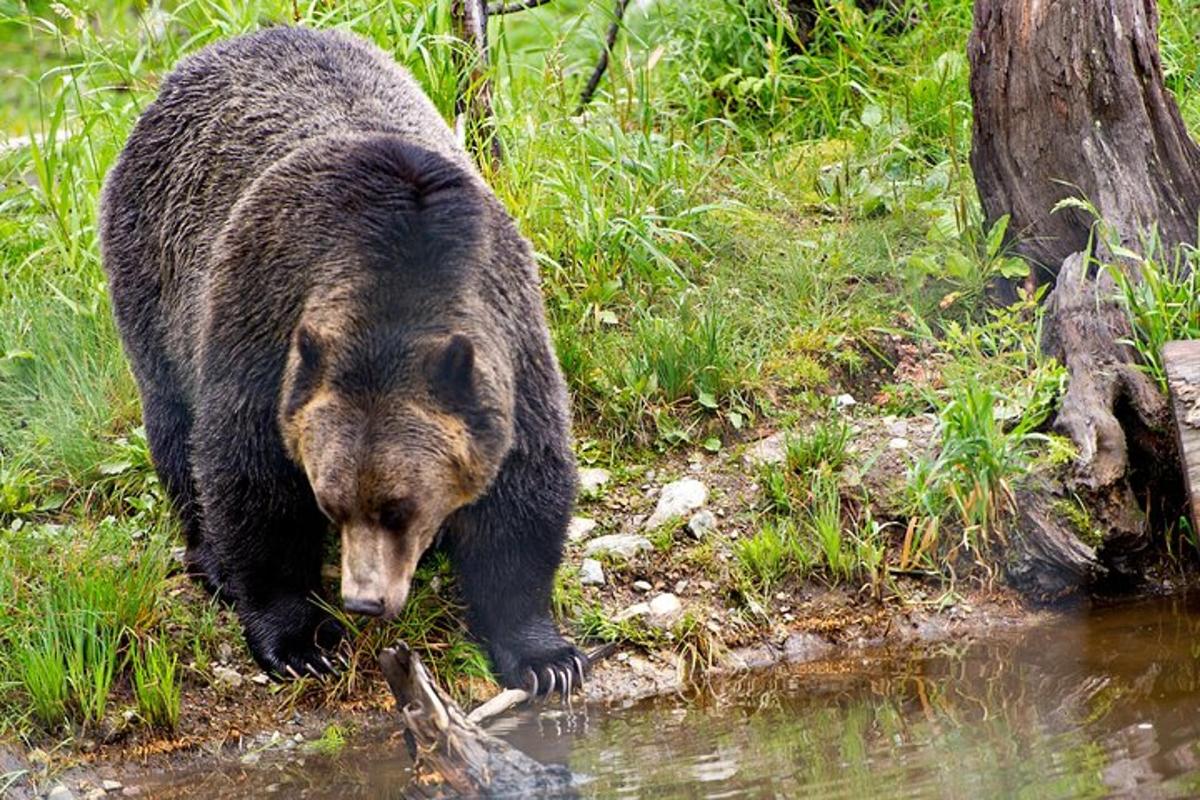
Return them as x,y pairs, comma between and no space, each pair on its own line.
295,174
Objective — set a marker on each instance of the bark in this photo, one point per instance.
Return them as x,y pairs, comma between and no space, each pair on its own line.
452,755
1070,103
473,109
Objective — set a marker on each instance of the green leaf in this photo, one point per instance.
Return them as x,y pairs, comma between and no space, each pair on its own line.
995,237
712,444
872,115
706,399
1014,268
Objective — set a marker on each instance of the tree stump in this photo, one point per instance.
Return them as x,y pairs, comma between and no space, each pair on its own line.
1070,103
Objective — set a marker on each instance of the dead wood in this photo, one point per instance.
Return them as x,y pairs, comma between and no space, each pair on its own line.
452,755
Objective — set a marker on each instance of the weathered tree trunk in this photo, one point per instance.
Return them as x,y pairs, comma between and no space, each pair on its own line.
1070,102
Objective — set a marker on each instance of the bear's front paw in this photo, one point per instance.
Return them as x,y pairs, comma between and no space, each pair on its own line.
542,665
291,638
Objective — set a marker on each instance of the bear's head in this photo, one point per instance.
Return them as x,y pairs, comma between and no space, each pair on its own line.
396,430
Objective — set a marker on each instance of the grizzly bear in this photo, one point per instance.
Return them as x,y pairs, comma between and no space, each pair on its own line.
333,321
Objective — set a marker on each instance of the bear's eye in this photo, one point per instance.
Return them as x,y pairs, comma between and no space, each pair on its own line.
395,515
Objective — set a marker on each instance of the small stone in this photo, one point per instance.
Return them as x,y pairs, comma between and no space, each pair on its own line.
60,792
131,791
225,676
261,679
677,500
701,524
625,545
845,401
251,758
579,528
591,572
225,652
896,427
771,450
681,586
635,610
112,786
642,586
592,480
898,443
665,610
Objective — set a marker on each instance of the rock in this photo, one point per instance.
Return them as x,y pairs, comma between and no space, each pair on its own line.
251,758
898,443
579,528
642,586
625,545
591,573
112,786
665,609
681,586
771,450
261,679
635,610
845,401
225,676
896,427
60,792
677,500
131,791
225,652
701,524
592,480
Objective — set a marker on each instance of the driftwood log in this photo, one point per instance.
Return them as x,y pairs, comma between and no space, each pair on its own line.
1070,102
452,755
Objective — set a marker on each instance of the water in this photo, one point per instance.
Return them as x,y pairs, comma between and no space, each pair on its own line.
1103,704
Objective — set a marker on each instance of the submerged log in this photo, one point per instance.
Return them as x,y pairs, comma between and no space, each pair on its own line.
452,755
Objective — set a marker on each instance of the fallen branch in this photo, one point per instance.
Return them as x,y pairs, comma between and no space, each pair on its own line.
450,751
602,64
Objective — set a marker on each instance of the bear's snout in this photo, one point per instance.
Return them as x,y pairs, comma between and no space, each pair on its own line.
369,607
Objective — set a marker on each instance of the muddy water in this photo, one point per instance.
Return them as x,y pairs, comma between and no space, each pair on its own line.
1105,703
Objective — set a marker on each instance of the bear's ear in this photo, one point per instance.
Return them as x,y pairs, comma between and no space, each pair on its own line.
454,368
309,348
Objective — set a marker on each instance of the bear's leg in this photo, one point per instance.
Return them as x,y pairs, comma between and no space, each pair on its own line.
168,431
267,536
506,548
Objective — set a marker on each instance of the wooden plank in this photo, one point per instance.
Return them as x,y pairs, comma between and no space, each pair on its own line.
1182,362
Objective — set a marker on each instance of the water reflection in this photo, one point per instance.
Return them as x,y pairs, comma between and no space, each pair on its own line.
1106,704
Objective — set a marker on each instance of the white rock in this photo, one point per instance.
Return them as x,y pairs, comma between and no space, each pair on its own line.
592,479
625,545
845,401
771,450
635,610
896,427
112,786
227,677
665,609
261,679
898,443
591,572
642,586
579,528
60,792
678,499
702,523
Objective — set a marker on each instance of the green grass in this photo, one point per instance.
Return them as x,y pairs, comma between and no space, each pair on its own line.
736,229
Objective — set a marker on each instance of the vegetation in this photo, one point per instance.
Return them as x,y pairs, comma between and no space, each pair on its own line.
736,231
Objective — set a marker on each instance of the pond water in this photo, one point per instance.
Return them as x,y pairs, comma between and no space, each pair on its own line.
1106,703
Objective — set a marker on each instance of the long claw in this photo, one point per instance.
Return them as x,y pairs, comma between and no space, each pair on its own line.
579,662
328,664
568,683
533,675
316,673
291,671
550,688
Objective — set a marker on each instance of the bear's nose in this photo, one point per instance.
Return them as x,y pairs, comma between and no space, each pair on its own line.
357,605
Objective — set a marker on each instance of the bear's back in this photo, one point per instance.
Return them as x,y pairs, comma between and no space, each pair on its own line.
223,117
